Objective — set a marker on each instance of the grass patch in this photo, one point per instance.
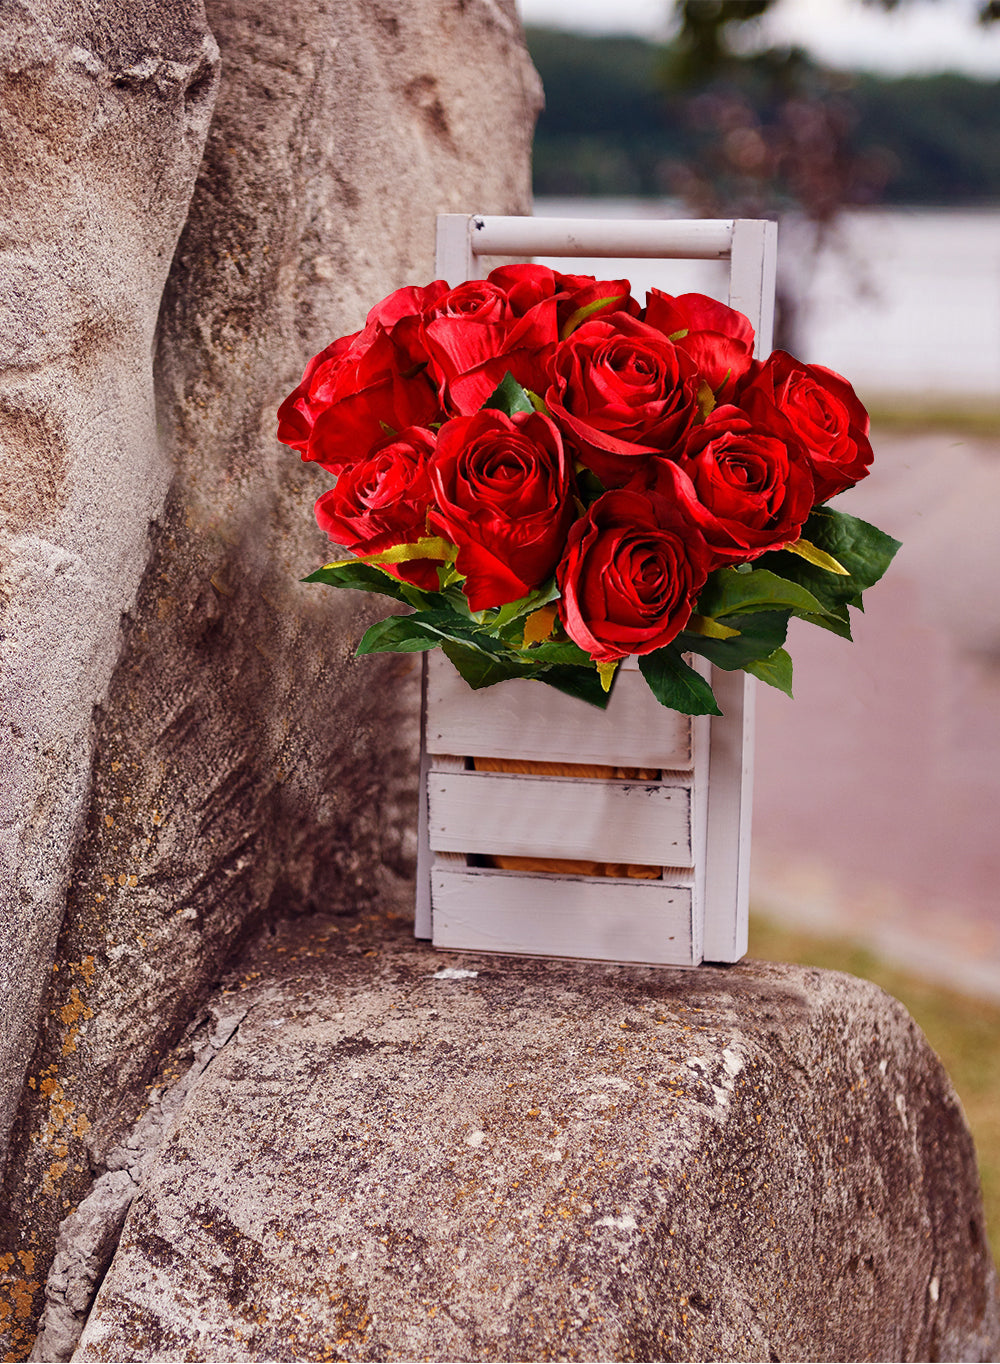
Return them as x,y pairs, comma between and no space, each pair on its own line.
967,417
965,1033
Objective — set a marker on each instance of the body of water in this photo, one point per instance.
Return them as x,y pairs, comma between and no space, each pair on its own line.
902,301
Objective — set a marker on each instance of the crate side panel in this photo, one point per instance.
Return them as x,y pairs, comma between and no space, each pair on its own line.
639,921
607,821
522,719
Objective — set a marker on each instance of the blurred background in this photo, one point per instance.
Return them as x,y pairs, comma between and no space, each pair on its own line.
871,132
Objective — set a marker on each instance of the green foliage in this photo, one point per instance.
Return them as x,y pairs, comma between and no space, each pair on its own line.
609,128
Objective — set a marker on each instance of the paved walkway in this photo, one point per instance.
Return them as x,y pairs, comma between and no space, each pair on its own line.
877,797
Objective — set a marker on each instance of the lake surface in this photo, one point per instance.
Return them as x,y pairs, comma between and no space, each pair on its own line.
902,301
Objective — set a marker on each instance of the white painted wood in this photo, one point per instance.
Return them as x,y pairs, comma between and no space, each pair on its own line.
751,276
453,259
730,795
570,915
522,719
562,916
671,238
529,816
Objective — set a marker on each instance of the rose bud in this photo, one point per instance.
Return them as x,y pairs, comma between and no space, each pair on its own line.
826,415
502,493
624,392
631,574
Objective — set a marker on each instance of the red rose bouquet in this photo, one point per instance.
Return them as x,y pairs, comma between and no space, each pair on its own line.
552,477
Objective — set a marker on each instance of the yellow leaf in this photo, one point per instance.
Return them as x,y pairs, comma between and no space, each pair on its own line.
538,625
606,672
817,557
709,628
429,547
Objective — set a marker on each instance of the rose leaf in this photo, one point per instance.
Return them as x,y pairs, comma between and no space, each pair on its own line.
509,397
760,633
775,670
676,685
729,592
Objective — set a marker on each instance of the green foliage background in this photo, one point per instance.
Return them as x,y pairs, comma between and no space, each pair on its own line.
610,128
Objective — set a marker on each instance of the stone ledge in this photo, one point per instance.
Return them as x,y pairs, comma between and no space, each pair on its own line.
552,1160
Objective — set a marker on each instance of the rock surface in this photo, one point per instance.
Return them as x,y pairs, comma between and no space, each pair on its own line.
405,1154
198,751
103,129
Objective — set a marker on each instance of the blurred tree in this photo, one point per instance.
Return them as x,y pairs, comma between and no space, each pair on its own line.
775,137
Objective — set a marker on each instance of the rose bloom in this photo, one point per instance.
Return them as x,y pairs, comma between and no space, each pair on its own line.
502,494
624,392
377,375
631,574
383,501
719,339
826,415
478,332
752,479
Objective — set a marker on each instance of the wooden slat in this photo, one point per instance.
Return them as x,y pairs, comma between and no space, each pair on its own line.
607,821
641,921
730,800
636,238
522,719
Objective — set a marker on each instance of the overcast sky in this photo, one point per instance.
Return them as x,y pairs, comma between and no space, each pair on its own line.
922,35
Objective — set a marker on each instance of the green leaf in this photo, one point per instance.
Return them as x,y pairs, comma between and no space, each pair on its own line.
805,549
864,550
776,670
363,578
580,316
509,397
559,651
760,634
398,635
583,683
676,685
837,619
479,669
541,596
729,592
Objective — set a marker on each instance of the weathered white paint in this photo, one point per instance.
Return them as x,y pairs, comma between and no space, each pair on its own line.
562,916
613,821
520,719
694,816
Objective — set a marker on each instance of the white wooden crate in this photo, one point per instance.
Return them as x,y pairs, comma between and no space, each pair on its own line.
684,819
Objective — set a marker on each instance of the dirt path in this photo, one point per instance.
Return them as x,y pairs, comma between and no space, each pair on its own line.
877,798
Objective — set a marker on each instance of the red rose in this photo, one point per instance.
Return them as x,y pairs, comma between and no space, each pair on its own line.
719,339
478,332
528,285
297,414
375,388
624,392
826,415
383,501
631,574
502,491
751,477
374,376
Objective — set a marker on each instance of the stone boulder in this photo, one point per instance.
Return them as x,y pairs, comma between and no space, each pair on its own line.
384,1152
188,748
